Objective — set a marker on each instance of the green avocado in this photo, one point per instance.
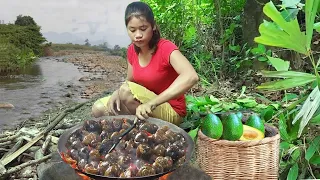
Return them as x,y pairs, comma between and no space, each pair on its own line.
240,115
232,127
212,126
256,122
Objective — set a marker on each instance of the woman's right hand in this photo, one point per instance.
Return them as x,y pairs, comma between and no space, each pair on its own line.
114,102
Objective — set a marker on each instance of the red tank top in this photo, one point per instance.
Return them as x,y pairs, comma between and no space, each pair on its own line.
158,75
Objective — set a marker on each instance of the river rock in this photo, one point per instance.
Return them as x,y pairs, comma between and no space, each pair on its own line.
6,106
56,169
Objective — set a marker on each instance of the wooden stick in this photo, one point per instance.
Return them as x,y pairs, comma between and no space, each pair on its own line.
20,176
5,143
33,149
6,134
21,166
61,116
14,148
54,139
7,150
45,144
4,149
41,135
10,138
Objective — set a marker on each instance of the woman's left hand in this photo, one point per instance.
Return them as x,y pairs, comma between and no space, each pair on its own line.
144,110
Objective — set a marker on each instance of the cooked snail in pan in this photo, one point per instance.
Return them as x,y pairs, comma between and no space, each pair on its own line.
147,150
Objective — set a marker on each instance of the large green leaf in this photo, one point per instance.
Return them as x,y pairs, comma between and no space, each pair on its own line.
285,84
311,11
308,109
288,74
279,64
281,33
316,26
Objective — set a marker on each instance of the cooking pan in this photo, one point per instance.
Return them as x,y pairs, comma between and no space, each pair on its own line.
62,149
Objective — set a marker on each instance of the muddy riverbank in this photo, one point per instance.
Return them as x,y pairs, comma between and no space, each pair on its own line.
62,81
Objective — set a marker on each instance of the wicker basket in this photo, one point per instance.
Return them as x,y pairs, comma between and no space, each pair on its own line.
223,159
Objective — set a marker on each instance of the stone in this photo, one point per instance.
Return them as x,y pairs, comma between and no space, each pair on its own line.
6,106
56,169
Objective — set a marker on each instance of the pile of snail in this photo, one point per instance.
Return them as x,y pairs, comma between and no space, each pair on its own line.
145,151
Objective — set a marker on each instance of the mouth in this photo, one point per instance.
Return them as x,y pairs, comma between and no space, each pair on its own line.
138,42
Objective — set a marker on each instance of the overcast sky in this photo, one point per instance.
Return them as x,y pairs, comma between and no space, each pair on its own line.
92,17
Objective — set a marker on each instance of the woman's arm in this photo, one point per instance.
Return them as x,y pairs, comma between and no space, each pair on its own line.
129,72
186,79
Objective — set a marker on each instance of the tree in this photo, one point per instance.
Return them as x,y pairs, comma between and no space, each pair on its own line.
25,21
116,47
87,42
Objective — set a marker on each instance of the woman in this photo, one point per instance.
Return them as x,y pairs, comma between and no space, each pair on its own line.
158,74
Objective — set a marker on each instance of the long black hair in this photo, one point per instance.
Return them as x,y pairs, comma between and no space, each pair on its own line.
140,9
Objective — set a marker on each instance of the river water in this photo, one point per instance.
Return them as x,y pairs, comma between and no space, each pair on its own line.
44,85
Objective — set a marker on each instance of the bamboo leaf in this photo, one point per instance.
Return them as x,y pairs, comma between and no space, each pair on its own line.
314,146
290,3
285,84
315,160
293,172
308,109
281,33
311,11
283,128
279,64
288,74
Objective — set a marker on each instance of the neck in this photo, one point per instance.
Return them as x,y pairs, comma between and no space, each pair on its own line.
145,50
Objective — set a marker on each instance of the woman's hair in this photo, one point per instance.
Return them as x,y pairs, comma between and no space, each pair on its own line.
140,9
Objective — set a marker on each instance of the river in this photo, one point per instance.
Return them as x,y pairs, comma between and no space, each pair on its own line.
48,83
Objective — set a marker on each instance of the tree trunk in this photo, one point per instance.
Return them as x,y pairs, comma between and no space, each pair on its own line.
253,17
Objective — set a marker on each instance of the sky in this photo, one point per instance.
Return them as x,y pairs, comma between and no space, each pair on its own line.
64,21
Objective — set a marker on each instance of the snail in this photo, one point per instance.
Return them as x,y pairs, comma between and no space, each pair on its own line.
146,170
94,155
151,128
141,138
117,124
89,168
103,166
159,150
84,153
92,126
113,171
143,151
174,152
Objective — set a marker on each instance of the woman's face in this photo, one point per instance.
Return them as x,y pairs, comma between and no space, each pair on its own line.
139,31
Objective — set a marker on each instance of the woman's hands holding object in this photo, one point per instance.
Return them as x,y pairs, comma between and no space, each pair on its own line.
144,110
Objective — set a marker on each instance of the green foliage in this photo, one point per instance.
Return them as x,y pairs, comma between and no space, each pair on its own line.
20,43
193,26
201,105
25,21
23,36
299,148
70,46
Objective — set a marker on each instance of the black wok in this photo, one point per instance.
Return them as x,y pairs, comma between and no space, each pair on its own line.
65,136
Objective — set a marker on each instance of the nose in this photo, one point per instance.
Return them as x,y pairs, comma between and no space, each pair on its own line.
138,35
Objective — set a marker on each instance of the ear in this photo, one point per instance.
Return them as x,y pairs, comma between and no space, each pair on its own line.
154,28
